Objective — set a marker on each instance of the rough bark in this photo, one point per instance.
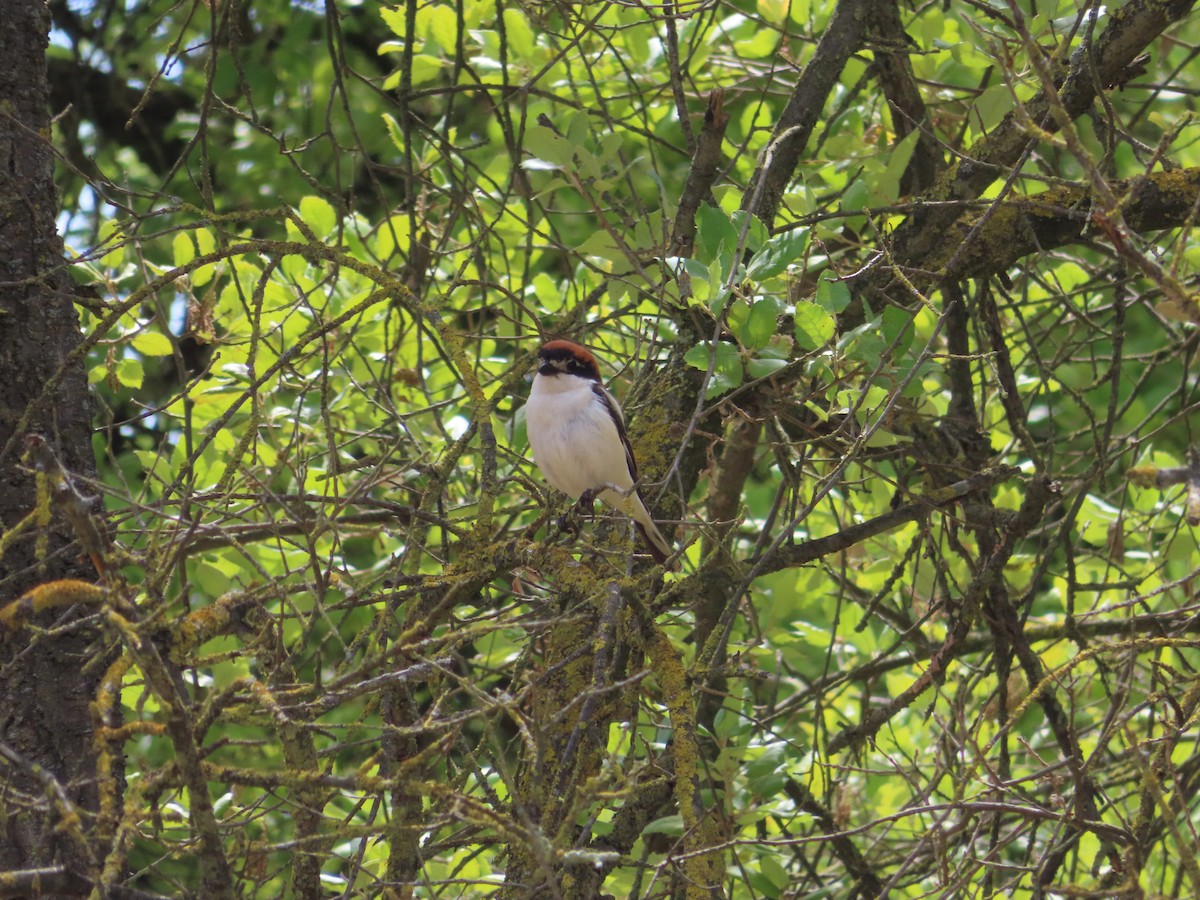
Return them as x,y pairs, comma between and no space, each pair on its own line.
47,770
1059,217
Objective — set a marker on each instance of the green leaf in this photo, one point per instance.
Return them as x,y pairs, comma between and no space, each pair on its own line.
865,343
762,366
394,20
857,195
767,771
442,24
814,326
211,578
149,459
393,130
737,314
761,43
887,186
112,234
205,243
579,129
544,144
610,147
520,35
777,254
800,11
589,168
182,249
776,875
151,343
130,372
761,325
714,233
601,243
317,214
774,11
727,371
425,68
897,329
637,45
730,723
756,231
832,296
392,235
665,825
992,105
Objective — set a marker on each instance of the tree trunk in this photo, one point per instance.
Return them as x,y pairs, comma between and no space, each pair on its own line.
47,764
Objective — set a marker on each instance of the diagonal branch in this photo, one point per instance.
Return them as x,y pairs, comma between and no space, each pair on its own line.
1058,217
1093,68
706,162
845,34
808,551
893,70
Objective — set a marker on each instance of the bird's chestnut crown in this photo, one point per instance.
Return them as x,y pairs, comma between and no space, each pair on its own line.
558,357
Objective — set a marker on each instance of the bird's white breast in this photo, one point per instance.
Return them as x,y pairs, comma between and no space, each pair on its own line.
574,439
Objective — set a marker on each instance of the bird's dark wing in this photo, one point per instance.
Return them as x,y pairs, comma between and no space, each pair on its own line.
614,410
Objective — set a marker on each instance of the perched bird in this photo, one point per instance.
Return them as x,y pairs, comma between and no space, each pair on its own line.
577,433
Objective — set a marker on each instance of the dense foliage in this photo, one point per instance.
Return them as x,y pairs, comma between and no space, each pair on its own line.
900,302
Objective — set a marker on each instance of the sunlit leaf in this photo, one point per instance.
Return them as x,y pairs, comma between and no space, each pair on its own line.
318,214
814,326
151,343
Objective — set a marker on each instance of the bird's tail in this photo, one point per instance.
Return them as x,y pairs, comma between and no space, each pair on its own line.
631,504
659,547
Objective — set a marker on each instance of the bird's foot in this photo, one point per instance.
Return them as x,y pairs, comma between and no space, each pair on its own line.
568,523
587,500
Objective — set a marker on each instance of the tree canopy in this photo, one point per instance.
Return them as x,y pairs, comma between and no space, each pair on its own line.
901,303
